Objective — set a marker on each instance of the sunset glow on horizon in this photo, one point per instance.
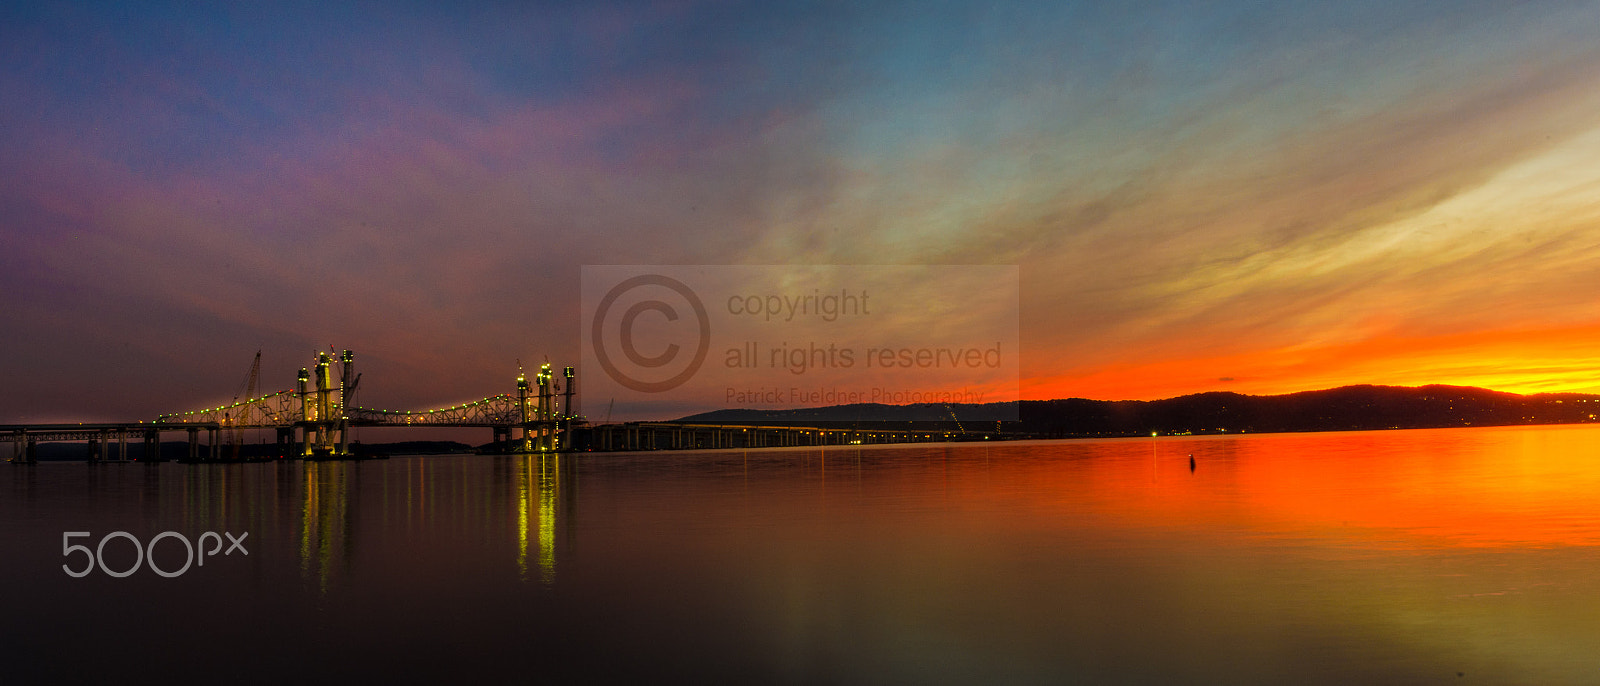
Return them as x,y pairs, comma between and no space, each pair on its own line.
1522,362
1258,199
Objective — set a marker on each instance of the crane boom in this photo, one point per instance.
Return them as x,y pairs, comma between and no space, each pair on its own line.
251,381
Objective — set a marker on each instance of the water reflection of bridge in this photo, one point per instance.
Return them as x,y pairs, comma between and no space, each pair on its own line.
541,502
329,503
532,498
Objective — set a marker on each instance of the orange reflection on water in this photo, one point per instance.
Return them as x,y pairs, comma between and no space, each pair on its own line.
1502,486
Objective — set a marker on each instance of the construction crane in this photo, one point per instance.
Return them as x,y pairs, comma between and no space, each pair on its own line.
237,415
953,416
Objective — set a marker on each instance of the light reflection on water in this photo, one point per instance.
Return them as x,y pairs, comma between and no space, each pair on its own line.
1404,556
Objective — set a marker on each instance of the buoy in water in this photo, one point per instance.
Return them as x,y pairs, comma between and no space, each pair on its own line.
1191,462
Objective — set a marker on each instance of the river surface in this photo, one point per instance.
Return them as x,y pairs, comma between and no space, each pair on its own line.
1412,557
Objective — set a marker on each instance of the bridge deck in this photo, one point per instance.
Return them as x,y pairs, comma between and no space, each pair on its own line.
100,426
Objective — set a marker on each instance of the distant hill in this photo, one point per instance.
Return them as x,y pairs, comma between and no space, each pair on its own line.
1338,409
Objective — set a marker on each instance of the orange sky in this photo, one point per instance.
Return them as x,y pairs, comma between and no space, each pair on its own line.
1516,361
1489,281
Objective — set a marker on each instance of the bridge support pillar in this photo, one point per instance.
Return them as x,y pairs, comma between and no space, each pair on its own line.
215,450
194,444
30,452
94,447
285,441
152,447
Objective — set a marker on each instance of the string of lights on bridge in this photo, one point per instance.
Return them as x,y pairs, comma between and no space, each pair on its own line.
476,403
241,403
291,394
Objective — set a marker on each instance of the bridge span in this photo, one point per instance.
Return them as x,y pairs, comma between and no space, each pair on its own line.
107,442
700,436
313,422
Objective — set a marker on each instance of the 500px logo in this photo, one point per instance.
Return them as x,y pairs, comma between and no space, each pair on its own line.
671,367
145,553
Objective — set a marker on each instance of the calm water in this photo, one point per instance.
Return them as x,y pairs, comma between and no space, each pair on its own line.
1451,557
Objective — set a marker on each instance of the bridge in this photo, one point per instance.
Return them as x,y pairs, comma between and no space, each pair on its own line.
313,422
25,438
693,436
318,411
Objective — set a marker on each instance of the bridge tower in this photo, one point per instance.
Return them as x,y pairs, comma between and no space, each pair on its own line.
324,398
546,399
308,412
325,427
347,365
565,433
526,445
